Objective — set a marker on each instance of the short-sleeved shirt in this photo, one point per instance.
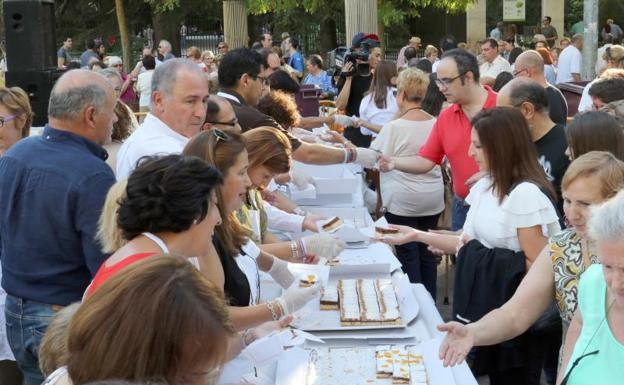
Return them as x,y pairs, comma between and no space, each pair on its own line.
496,224
605,367
405,194
569,260
450,138
551,156
63,54
549,32
570,61
86,58
493,69
144,86
557,105
375,115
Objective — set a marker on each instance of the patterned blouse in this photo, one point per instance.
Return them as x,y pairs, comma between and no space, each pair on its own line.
569,261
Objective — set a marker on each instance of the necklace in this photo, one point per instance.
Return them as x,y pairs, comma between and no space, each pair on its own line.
408,110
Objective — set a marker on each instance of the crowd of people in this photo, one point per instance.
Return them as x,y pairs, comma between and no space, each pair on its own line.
132,249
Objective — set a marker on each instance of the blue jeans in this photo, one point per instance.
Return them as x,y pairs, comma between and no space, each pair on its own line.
26,323
459,210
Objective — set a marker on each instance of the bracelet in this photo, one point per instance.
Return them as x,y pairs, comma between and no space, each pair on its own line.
271,307
346,155
293,249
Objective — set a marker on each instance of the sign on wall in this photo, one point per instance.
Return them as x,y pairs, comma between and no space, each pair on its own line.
514,10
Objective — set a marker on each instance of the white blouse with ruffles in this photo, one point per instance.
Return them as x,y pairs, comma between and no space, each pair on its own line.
496,225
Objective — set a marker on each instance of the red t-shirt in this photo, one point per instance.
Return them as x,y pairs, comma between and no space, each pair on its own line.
450,137
104,273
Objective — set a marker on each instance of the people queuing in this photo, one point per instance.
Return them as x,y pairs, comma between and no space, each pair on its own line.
181,226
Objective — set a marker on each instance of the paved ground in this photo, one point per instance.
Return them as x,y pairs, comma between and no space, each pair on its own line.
445,309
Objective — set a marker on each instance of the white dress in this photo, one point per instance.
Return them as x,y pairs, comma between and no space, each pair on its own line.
496,225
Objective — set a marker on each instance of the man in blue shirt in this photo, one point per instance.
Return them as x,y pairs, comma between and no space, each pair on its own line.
52,189
88,55
296,59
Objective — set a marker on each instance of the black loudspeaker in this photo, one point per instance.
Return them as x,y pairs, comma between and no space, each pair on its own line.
30,38
38,85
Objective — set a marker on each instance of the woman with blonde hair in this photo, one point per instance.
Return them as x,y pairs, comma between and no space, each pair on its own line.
109,234
613,56
414,200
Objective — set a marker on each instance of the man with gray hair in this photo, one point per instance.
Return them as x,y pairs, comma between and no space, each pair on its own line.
52,189
164,49
179,100
570,61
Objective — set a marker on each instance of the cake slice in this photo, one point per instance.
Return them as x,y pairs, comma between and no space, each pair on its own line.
383,231
332,225
383,357
400,363
307,280
329,299
348,299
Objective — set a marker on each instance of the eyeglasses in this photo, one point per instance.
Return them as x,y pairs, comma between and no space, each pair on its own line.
6,119
445,82
264,80
231,123
518,72
220,135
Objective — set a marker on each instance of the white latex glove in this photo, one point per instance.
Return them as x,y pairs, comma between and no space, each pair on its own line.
343,120
280,273
301,179
295,297
323,245
366,157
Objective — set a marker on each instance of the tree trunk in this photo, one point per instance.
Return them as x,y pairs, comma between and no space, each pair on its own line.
165,27
327,36
123,33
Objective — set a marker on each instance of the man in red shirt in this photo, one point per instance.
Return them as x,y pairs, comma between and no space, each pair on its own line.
458,79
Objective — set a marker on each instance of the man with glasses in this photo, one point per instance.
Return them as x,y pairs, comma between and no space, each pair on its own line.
458,79
530,64
164,50
220,114
493,63
549,32
243,78
178,110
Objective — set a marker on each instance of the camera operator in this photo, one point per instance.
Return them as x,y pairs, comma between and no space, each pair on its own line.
355,80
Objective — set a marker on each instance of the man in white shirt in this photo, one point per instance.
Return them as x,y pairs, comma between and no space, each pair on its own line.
493,63
497,33
178,111
570,61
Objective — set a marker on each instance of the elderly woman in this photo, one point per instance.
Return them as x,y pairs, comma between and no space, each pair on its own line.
594,347
591,179
15,120
127,94
316,75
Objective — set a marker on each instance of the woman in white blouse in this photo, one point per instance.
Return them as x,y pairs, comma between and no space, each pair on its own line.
511,207
415,200
379,105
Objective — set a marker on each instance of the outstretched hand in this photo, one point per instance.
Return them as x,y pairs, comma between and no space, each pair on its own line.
457,343
385,163
406,234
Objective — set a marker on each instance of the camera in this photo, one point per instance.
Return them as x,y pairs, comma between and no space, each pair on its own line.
358,60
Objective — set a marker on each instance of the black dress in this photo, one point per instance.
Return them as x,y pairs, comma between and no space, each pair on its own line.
236,288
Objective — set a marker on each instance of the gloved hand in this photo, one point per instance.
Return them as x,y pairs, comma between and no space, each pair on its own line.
280,273
343,120
323,245
366,157
295,297
301,179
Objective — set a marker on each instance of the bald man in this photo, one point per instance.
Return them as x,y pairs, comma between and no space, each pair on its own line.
530,64
52,189
530,98
220,114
